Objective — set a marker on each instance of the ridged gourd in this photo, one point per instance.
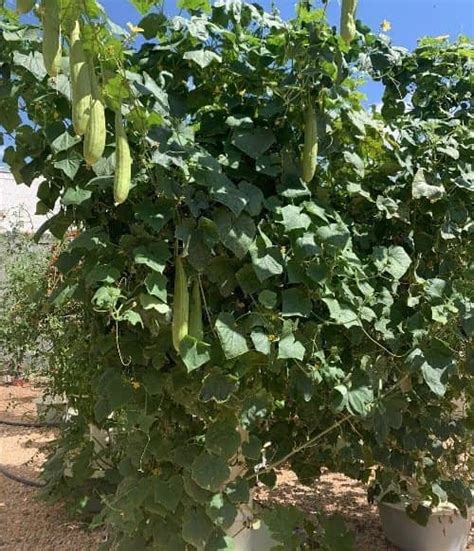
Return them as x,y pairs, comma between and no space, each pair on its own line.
81,93
310,149
348,26
94,138
180,321
123,161
51,37
195,312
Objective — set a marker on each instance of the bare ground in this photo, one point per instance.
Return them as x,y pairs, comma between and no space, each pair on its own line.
28,524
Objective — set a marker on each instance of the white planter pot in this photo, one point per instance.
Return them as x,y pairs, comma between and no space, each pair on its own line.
446,530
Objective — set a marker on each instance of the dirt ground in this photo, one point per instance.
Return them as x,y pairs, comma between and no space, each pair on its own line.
27,524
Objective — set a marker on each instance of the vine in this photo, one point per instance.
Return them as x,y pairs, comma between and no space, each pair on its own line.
335,301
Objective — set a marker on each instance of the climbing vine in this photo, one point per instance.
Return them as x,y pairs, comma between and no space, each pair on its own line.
329,298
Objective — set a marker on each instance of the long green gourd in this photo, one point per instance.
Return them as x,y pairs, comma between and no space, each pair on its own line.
94,139
180,321
123,161
348,27
195,312
51,37
81,93
310,150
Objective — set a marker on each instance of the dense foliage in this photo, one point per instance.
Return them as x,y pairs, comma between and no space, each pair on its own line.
336,312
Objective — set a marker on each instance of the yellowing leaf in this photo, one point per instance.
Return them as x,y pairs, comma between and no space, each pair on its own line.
134,29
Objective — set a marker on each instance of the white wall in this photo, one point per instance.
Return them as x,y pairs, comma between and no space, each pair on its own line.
18,204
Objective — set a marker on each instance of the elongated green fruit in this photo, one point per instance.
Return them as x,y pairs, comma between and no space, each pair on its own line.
51,37
123,161
80,82
310,150
348,27
94,139
24,6
195,312
180,322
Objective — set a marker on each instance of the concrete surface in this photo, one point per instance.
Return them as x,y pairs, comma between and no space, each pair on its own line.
18,204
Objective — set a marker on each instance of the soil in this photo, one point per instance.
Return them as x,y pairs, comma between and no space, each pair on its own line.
28,524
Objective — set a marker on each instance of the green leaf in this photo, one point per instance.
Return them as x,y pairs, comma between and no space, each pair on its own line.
202,57
267,261
393,260
194,353
238,491
64,142
69,163
218,387
335,235
337,536
342,313
294,218
357,163
193,5
296,303
254,142
220,542
359,400
132,317
145,5
156,215
33,62
168,492
232,341
75,196
285,524
106,297
268,299
210,472
116,388
227,193
237,234
197,528
261,342
105,273
149,302
154,256
221,511
155,284
435,361
222,437
421,188
151,25
254,198
290,348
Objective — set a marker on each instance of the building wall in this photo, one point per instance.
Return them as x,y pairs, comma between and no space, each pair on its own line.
18,204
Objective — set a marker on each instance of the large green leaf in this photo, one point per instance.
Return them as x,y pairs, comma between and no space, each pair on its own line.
210,472
168,492
154,256
290,348
232,341
254,141
193,353
393,260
